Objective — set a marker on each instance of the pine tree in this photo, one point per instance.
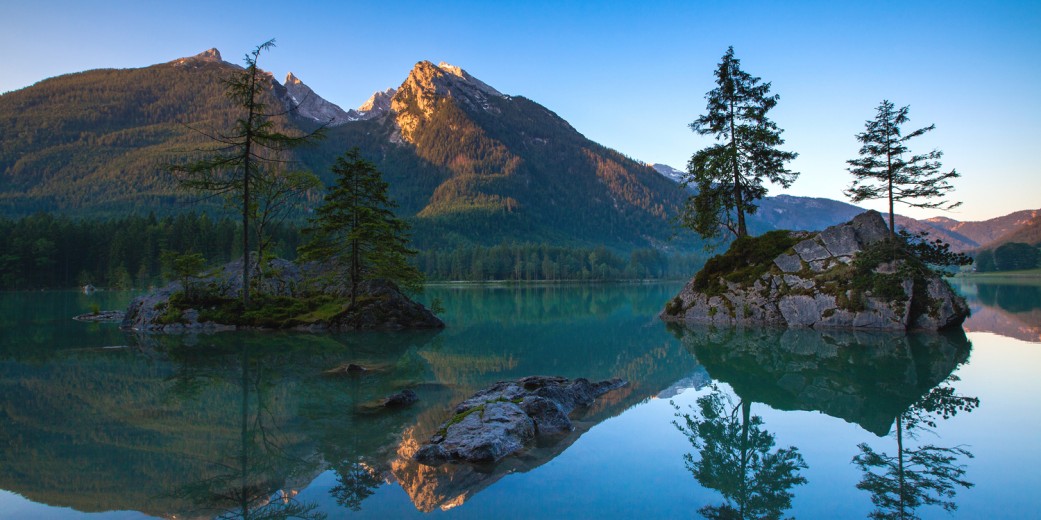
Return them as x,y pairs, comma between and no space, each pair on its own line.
882,171
357,230
729,175
252,151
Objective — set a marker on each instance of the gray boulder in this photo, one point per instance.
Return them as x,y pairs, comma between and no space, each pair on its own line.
504,417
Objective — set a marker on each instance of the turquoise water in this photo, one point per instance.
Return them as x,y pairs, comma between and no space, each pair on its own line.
95,423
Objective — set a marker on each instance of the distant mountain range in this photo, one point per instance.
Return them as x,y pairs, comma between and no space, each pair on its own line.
810,213
467,163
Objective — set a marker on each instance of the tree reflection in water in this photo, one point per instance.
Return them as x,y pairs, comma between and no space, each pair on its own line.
248,481
738,459
924,476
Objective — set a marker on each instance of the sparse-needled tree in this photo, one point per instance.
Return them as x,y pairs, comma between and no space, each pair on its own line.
729,175
357,230
884,171
254,148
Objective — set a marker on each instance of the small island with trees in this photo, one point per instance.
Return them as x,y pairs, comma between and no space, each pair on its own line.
353,265
859,275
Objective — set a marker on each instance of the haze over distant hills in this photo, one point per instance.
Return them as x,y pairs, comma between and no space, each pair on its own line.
810,213
467,163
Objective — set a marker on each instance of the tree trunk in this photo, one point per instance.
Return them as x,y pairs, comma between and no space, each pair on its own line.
900,463
746,412
739,204
889,175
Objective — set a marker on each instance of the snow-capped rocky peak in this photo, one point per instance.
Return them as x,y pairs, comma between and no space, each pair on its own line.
380,101
377,105
668,172
465,76
306,103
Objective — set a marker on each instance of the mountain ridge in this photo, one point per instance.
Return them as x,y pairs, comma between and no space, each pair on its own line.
466,162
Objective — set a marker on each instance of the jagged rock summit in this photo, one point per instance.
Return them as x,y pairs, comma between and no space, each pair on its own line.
306,103
838,278
211,55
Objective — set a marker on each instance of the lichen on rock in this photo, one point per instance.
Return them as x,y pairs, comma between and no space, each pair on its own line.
847,276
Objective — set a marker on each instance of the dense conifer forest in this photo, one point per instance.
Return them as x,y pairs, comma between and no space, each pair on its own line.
44,251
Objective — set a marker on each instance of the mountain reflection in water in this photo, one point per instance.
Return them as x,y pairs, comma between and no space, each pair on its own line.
1011,309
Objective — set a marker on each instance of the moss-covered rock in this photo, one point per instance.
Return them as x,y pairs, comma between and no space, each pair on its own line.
847,276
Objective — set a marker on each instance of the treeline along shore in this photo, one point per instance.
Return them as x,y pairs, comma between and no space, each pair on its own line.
44,251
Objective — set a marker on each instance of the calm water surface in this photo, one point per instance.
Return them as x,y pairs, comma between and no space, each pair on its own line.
757,423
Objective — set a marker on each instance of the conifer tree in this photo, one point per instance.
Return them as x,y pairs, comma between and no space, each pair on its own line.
729,175
883,169
253,149
357,230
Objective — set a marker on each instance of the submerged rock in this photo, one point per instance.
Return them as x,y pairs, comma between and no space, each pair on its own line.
401,399
101,316
799,279
503,418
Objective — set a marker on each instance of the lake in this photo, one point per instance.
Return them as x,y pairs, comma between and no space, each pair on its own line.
755,423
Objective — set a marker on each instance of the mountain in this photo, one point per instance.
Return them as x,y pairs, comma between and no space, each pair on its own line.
669,172
815,214
785,211
312,106
97,142
1028,233
1019,226
468,163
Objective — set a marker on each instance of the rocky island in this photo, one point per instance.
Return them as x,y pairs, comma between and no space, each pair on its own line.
847,277
286,296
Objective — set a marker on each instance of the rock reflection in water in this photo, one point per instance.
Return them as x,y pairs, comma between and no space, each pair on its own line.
883,382
866,378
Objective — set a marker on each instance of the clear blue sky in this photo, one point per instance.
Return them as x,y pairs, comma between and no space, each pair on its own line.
630,75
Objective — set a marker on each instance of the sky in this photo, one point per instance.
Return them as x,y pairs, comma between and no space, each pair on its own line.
629,75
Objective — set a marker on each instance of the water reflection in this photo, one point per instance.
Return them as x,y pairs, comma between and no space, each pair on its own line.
229,425
865,378
248,476
736,457
919,474
1010,308
899,383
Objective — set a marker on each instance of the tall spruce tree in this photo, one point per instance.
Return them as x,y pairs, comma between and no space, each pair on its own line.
244,156
357,230
729,175
884,171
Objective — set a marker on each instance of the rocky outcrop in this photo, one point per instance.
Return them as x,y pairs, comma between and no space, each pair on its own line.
822,280
503,418
302,291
